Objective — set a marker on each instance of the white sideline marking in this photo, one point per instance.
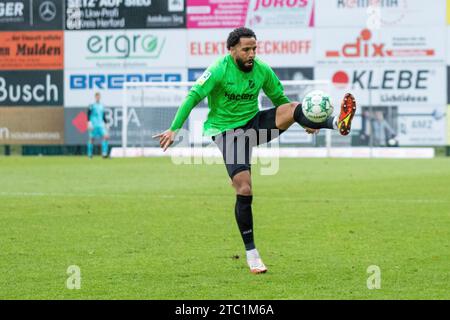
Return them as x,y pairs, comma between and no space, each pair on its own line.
111,195
353,152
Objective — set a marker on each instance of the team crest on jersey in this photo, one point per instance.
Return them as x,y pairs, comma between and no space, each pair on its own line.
205,76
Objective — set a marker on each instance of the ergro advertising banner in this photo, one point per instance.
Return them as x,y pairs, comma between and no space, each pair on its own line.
135,48
31,50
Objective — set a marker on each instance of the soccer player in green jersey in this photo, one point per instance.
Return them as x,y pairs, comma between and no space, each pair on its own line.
236,124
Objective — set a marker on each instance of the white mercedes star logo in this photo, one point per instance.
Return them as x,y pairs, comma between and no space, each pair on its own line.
47,10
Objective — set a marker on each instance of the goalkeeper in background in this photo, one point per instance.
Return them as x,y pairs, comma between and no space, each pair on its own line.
97,127
232,85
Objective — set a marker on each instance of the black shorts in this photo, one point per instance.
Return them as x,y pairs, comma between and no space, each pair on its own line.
236,144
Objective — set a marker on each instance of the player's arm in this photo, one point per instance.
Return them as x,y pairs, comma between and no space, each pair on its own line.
191,100
204,85
273,88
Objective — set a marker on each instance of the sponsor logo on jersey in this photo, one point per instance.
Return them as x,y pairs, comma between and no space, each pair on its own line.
239,97
205,76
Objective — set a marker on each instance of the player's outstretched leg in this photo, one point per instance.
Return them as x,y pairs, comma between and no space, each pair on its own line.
300,118
341,123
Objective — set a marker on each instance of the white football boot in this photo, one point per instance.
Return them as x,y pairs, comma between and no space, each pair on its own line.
254,262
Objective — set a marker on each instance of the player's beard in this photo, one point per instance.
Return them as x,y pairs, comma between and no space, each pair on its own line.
244,67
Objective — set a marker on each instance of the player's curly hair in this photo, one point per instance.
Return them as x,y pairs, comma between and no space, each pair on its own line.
237,34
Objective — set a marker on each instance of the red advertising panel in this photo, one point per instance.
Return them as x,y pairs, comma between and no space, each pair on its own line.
32,50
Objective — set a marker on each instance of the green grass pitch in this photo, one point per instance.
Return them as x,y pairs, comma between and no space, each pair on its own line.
149,229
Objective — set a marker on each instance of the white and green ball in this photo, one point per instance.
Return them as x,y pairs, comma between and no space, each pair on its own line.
317,106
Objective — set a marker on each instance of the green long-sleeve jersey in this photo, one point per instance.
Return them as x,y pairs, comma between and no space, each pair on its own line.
232,95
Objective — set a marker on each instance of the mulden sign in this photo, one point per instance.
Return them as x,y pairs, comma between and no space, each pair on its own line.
32,50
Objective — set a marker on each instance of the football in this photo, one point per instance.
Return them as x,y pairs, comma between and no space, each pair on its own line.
317,106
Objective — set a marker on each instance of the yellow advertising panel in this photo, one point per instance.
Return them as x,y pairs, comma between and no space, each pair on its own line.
448,12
